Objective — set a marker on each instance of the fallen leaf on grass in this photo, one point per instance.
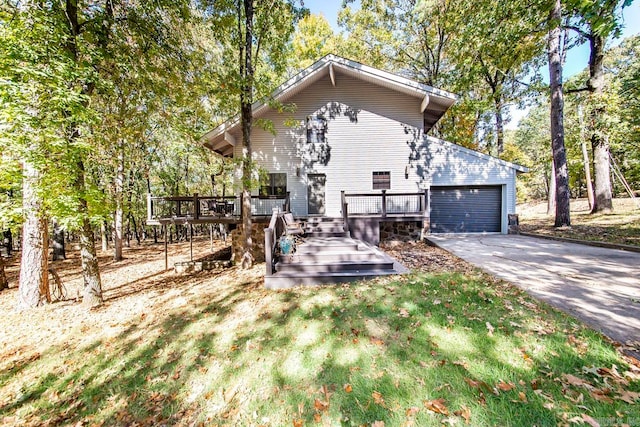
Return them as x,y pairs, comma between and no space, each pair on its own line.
601,395
376,341
464,413
437,405
629,396
320,405
377,424
347,388
587,419
505,386
403,312
412,411
377,398
479,385
297,423
576,381
522,397
462,364
490,328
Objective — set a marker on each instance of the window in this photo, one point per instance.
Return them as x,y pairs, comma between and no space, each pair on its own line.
382,180
316,129
274,185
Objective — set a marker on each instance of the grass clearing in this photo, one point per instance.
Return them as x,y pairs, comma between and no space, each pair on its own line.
622,226
216,348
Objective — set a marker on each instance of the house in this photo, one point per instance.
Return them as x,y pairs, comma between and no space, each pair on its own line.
357,141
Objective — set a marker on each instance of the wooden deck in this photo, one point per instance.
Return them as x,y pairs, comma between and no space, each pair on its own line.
210,209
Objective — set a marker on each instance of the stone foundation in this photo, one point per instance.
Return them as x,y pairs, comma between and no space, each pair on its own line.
197,266
257,235
396,230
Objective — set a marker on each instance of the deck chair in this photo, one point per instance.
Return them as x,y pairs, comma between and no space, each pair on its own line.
291,226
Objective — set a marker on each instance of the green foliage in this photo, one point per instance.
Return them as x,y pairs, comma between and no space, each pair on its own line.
619,125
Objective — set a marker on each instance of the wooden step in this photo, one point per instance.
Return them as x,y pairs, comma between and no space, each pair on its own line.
335,266
284,280
328,256
316,244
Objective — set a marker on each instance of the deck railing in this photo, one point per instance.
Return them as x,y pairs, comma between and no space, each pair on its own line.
211,207
384,204
271,237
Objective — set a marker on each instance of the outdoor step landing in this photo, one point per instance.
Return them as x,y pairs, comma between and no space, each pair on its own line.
335,266
284,280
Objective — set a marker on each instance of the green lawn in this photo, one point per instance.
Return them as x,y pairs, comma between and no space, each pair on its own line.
218,349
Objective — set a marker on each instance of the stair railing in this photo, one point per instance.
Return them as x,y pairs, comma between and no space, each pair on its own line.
271,236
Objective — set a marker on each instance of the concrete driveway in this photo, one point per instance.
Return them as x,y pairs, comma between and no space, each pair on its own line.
597,285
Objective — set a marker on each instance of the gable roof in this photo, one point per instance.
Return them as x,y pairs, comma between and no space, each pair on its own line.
435,102
483,156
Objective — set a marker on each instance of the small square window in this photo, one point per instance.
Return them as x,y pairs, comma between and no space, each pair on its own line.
382,180
316,129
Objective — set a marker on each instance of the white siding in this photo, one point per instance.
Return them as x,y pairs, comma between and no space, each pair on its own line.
369,128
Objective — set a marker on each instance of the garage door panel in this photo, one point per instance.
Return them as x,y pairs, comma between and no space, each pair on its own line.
466,209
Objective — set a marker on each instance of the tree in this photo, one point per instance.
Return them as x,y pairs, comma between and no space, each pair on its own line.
313,39
597,21
255,38
555,52
497,47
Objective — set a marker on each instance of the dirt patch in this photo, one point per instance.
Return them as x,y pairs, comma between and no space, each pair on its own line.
421,256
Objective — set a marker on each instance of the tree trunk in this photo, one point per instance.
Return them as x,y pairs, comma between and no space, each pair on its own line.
58,242
103,236
246,98
557,119
585,160
7,243
551,191
499,127
599,140
118,219
92,292
34,262
4,283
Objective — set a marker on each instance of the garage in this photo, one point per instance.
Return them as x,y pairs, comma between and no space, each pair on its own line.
466,209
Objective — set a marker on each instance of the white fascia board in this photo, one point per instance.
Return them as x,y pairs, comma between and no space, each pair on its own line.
425,103
483,156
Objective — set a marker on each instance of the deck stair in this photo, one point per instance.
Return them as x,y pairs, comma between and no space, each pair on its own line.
324,258
325,227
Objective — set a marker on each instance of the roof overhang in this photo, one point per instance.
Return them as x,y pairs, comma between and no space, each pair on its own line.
433,102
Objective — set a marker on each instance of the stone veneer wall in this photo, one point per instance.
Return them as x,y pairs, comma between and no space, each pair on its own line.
257,235
396,230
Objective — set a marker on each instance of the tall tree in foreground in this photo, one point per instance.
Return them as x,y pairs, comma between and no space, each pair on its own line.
254,36
597,21
555,53
246,119
34,274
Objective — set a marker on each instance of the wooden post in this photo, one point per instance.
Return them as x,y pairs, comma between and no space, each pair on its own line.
196,206
149,207
345,211
426,220
268,250
384,203
166,248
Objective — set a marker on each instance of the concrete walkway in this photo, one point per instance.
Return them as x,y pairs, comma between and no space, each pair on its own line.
599,286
